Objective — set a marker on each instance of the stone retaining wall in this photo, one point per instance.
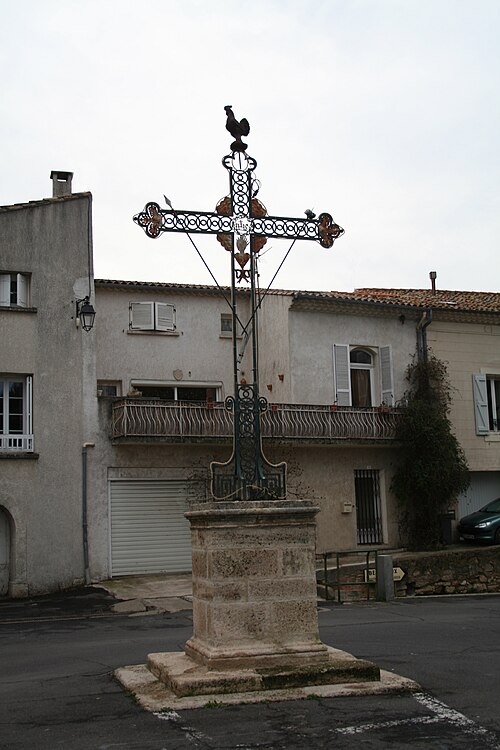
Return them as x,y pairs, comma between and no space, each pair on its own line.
450,571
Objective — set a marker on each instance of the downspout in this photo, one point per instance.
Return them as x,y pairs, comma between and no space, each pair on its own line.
422,324
85,530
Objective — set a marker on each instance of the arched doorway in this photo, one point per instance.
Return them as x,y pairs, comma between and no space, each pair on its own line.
4,552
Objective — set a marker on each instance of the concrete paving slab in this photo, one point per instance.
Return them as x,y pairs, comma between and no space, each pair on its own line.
168,604
128,607
154,586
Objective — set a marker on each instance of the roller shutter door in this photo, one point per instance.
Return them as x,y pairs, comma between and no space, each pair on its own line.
149,533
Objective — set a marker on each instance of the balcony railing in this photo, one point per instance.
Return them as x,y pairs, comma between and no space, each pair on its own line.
144,419
19,443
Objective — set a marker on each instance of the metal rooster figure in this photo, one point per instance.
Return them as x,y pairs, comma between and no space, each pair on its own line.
237,129
242,226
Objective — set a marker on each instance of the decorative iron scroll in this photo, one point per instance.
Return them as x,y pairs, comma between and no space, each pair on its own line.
248,475
242,225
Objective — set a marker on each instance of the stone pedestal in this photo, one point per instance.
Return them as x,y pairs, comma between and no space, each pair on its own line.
254,585
254,611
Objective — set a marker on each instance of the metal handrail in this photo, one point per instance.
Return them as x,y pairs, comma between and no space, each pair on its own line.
339,583
139,417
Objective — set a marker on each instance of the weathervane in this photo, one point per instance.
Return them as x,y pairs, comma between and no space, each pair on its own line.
242,226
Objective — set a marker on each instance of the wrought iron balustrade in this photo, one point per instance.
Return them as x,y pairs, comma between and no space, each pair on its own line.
154,418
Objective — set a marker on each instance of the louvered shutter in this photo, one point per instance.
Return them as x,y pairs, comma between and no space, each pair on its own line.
5,289
22,290
341,377
165,317
479,387
142,316
149,533
386,377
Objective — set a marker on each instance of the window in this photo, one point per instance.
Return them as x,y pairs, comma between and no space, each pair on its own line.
368,506
486,390
152,316
361,369
109,387
197,393
14,289
226,324
15,413
362,378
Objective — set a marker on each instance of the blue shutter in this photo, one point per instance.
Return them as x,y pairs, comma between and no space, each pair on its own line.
5,289
142,316
22,290
480,392
386,378
341,375
165,317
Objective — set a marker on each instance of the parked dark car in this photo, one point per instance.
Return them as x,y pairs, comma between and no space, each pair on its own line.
483,525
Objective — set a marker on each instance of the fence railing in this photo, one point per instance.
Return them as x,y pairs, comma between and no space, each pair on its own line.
155,418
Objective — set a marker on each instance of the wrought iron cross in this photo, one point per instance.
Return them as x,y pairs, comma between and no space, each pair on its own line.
242,226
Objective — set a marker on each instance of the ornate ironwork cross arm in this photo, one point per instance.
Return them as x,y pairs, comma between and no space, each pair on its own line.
324,229
155,220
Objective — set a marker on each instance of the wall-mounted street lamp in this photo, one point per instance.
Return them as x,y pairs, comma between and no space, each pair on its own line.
85,314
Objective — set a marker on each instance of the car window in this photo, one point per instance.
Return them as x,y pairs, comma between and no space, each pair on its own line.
493,507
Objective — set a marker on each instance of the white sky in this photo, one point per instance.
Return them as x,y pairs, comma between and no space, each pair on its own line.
385,113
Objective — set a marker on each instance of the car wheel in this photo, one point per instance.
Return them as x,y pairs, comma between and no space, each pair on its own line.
497,536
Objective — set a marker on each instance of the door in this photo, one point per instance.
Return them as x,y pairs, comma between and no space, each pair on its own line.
4,553
149,533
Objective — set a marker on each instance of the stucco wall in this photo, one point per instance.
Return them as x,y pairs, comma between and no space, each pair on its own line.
312,336
43,495
196,348
468,348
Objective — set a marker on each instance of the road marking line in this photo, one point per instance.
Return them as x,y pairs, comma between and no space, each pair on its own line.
440,713
360,728
455,717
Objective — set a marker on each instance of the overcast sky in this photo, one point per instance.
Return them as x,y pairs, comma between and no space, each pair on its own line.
385,113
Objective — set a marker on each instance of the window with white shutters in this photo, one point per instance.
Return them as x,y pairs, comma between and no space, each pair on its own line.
16,428
14,289
152,316
363,376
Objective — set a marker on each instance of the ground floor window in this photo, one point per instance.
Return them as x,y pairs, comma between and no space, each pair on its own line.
368,506
15,413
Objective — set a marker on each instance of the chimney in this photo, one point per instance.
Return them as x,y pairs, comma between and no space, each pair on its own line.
61,183
432,276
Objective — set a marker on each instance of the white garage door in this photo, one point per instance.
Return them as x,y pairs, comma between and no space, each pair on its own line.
149,533
484,487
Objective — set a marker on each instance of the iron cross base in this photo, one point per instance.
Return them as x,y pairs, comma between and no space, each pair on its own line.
248,475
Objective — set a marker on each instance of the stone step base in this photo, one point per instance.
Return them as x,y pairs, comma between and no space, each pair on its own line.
154,695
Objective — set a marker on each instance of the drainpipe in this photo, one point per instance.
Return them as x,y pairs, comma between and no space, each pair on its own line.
422,324
85,530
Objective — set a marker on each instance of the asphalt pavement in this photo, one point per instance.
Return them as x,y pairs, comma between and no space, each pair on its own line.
153,594
58,654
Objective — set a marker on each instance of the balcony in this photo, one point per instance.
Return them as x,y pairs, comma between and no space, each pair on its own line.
138,420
